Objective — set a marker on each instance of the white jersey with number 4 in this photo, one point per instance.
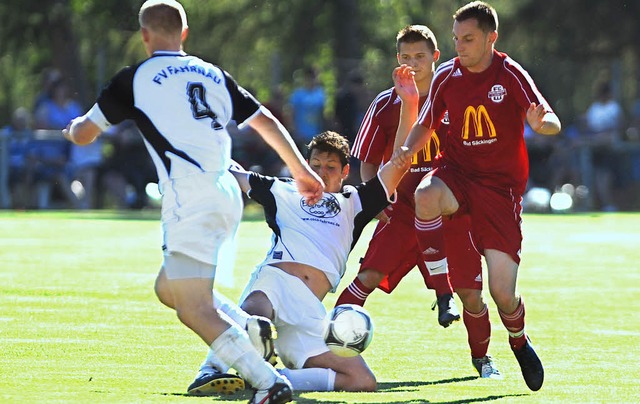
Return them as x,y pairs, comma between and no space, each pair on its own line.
182,106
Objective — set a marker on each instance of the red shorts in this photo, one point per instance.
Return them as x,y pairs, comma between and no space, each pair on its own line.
495,214
394,251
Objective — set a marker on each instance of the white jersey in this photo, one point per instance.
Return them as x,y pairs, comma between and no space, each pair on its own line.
182,106
321,235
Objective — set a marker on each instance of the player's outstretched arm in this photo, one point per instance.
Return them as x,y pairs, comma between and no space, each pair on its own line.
542,121
276,135
406,88
390,174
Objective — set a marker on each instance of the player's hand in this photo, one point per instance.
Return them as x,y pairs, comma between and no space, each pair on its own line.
310,185
401,158
535,116
383,216
66,132
405,84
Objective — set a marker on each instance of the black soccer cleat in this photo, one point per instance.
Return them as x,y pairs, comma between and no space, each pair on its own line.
280,392
215,383
531,366
447,310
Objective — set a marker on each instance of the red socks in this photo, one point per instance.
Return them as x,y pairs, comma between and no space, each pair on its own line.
478,331
514,323
355,293
431,241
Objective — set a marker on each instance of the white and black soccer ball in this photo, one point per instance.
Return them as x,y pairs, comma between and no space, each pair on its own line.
349,330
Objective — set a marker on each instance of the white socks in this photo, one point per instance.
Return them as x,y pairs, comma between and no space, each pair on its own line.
310,379
234,349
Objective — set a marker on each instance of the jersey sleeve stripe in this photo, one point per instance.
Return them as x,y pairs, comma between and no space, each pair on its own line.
368,130
443,72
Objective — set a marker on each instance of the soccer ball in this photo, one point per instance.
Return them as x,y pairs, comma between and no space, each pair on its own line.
349,330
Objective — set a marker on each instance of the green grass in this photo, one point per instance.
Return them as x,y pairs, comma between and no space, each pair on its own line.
80,322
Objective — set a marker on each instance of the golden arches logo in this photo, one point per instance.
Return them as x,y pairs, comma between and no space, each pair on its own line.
426,150
481,122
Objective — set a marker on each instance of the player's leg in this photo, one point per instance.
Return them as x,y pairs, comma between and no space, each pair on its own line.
433,199
361,287
389,257
370,274
351,374
213,377
228,342
503,272
257,303
447,309
475,315
465,269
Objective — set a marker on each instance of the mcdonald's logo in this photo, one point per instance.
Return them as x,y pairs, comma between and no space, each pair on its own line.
427,150
481,122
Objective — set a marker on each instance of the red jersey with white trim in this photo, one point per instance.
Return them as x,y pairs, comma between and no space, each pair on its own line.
487,111
375,138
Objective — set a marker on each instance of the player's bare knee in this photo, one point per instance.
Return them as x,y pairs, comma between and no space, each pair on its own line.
371,278
369,383
258,304
471,299
504,300
364,381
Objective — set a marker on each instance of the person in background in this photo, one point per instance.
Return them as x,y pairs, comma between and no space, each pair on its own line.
306,107
602,133
20,135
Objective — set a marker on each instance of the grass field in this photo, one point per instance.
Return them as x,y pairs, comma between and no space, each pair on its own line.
80,322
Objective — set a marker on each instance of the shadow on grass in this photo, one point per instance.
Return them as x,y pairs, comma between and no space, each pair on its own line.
382,388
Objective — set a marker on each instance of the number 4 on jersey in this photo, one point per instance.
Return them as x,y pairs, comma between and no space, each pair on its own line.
199,106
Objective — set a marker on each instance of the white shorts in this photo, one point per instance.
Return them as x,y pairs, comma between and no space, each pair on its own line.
200,212
300,317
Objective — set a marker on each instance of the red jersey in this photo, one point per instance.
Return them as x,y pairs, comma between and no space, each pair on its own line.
487,111
375,138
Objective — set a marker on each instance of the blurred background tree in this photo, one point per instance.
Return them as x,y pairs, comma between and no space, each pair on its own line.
264,43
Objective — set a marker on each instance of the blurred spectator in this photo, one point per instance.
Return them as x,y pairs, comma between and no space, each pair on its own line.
306,105
54,112
602,133
49,77
47,172
19,135
127,168
57,107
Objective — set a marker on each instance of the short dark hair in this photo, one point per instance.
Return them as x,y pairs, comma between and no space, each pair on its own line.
486,15
330,142
416,33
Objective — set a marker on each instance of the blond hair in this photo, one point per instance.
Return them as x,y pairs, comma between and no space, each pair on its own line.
164,16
